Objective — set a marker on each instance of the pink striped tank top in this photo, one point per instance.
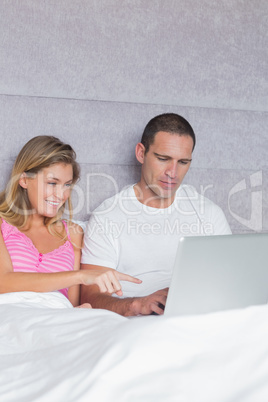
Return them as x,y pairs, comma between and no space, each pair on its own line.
26,258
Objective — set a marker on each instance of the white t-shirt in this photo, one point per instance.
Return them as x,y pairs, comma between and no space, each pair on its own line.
142,241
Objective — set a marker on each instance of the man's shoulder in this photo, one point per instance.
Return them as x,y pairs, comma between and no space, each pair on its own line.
206,211
191,195
113,203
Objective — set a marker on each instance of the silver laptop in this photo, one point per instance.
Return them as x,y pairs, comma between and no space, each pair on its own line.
215,273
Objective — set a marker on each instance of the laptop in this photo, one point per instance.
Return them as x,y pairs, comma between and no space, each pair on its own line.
216,273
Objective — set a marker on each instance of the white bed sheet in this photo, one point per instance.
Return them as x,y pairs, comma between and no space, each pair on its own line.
50,351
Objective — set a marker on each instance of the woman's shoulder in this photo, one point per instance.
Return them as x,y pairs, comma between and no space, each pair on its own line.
6,228
76,233
74,227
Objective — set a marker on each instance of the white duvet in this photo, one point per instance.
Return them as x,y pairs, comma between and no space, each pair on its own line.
50,351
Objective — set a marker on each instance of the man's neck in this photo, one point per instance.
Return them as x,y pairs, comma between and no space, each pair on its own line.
146,197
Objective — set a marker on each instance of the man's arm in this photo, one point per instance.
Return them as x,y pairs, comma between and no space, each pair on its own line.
130,306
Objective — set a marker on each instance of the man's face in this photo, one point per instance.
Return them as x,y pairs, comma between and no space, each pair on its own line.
164,167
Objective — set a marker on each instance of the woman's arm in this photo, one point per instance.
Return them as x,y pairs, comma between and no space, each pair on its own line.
76,234
10,281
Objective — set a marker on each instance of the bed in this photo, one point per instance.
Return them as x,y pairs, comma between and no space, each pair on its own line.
51,351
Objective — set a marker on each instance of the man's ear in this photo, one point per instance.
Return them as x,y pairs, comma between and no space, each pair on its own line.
23,182
140,152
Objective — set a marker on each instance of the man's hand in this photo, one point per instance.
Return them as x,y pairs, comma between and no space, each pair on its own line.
101,282
149,304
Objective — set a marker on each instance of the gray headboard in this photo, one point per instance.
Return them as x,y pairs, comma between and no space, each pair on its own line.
94,72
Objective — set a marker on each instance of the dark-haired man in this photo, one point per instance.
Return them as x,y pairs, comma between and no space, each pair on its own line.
137,231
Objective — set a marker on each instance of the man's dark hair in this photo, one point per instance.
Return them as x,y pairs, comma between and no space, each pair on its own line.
169,122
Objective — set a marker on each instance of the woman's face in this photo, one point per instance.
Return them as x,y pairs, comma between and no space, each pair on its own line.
49,189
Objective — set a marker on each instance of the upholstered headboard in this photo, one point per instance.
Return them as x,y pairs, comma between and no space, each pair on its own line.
94,73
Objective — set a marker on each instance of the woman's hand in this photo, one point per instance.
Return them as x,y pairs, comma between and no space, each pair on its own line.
107,279
84,305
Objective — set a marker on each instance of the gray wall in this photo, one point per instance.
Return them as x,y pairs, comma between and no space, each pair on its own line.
93,72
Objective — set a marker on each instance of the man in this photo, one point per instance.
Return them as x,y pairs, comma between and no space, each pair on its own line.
137,231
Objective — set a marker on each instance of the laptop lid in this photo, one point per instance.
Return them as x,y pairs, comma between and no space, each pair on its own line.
215,273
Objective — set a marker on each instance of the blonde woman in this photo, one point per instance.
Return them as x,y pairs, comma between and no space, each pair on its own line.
39,251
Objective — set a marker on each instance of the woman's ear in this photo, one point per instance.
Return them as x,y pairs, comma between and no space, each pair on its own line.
140,152
23,182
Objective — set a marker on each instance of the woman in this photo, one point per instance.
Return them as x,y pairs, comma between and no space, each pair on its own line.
39,251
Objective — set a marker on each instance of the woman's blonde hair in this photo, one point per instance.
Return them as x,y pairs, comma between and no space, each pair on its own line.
37,154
